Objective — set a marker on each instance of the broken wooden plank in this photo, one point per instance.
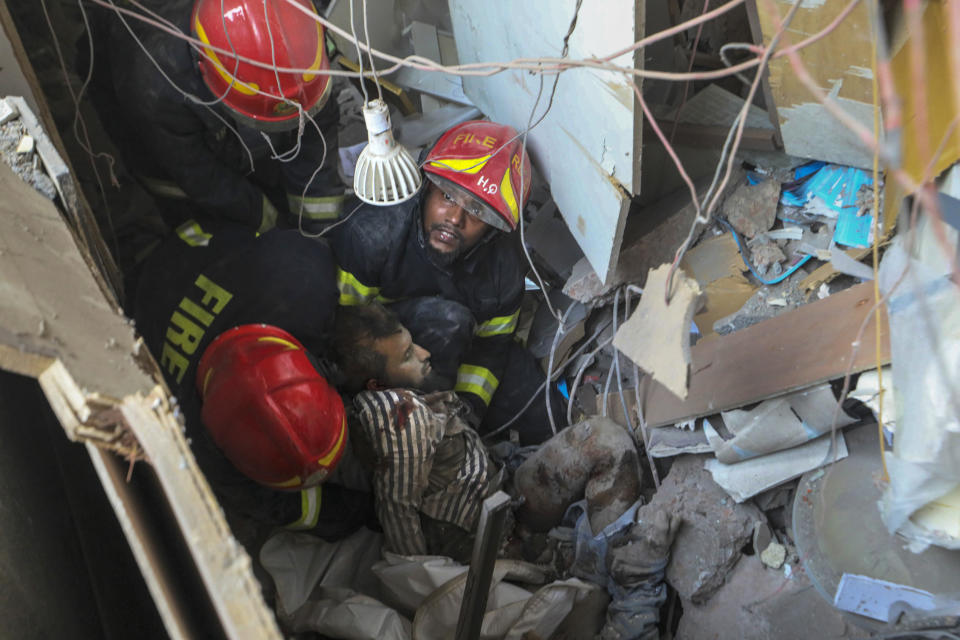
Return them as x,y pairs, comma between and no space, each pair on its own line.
827,272
59,327
588,150
656,337
841,65
798,349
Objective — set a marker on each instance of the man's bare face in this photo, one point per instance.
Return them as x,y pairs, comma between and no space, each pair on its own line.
449,228
408,364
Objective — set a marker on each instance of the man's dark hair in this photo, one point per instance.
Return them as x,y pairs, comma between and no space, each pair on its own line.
355,330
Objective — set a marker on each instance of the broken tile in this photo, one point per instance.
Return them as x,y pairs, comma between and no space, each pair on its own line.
8,112
656,337
714,528
753,209
26,145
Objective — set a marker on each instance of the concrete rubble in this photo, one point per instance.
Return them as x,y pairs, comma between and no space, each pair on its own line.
714,532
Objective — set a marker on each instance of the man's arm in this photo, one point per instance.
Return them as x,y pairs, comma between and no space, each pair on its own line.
399,429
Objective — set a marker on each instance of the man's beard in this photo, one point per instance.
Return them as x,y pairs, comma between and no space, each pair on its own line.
445,258
433,381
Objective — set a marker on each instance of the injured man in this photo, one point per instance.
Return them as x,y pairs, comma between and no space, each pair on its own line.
431,471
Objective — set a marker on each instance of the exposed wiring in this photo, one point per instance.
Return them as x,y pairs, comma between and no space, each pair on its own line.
875,92
80,128
783,276
739,123
616,360
644,435
356,41
556,374
373,67
561,331
686,85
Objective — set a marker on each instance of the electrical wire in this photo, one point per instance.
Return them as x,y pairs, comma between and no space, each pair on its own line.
85,143
356,41
534,395
875,92
739,123
373,67
783,276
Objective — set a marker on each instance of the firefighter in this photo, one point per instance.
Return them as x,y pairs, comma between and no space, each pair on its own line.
449,265
238,324
245,143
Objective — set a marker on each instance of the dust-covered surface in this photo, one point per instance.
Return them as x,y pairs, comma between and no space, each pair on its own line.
27,164
714,531
758,603
49,302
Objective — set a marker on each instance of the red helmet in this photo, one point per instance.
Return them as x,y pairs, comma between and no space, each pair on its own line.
268,409
273,32
478,164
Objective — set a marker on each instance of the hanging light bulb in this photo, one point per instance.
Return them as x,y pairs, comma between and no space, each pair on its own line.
385,173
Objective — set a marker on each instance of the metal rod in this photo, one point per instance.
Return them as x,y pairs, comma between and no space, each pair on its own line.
489,532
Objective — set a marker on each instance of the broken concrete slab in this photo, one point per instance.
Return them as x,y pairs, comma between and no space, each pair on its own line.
657,336
756,603
752,209
714,530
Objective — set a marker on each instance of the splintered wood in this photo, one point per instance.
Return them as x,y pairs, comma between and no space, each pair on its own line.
657,336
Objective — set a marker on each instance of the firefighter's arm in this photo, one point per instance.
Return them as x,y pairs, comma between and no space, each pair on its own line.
313,186
203,178
482,367
360,260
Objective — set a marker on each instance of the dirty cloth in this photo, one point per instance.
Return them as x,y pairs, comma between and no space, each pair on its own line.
632,572
344,590
427,459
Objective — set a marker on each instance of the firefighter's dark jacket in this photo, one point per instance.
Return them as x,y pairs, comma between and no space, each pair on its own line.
198,285
382,255
180,147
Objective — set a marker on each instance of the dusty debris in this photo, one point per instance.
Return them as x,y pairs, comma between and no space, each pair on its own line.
756,603
766,257
787,294
657,335
714,532
746,479
778,424
26,145
753,209
774,555
12,135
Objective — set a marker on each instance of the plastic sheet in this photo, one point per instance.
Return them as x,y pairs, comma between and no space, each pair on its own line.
924,467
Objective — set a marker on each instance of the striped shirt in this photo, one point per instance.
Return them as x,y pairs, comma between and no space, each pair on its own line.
427,460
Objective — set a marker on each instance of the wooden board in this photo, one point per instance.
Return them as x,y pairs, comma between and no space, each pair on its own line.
57,326
840,63
588,146
807,346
